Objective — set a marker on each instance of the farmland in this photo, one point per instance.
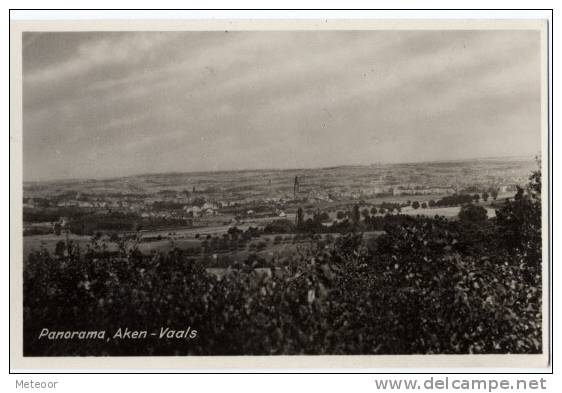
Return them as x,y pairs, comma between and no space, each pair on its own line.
183,209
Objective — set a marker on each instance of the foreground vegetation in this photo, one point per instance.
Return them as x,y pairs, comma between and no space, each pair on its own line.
428,285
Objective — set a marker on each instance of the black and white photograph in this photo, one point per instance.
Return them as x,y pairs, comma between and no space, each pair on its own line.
375,190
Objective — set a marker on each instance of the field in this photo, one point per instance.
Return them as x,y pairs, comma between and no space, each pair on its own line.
158,201
277,246
449,212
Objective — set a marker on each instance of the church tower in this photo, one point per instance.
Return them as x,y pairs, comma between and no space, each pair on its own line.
296,188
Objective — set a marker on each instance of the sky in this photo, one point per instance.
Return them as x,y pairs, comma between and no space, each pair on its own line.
107,104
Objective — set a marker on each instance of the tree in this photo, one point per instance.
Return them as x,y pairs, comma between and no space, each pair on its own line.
60,247
355,214
473,213
340,215
415,204
494,194
535,185
485,196
365,213
373,210
455,200
520,223
476,198
424,205
299,218
431,203
234,232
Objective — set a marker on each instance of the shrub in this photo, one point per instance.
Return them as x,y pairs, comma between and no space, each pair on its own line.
280,226
473,213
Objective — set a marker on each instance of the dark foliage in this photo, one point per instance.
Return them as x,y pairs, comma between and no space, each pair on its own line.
280,226
472,213
455,200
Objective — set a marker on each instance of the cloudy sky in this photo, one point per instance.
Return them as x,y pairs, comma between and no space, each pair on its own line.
111,104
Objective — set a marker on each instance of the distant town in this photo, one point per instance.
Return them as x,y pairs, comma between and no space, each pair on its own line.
198,206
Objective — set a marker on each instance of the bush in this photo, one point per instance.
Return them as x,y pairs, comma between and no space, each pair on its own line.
280,226
519,225
473,213
454,200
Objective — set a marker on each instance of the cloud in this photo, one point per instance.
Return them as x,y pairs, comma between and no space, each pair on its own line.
98,53
153,102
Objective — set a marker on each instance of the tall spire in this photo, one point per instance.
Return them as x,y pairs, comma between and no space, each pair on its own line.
296,187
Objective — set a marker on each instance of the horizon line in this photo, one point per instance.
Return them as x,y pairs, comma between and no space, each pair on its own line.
74,179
